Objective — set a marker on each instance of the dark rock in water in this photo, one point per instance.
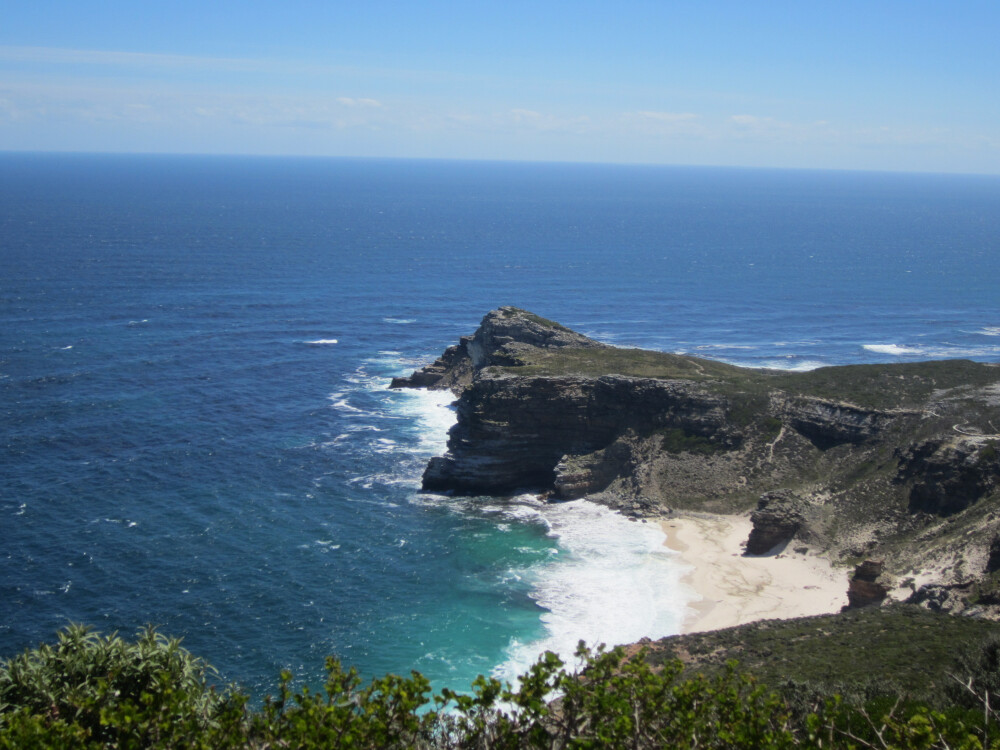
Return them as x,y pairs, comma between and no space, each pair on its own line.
864,589
778,518
453,369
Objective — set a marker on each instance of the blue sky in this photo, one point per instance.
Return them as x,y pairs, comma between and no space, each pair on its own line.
911,86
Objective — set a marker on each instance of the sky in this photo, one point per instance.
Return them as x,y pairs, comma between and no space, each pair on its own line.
897,85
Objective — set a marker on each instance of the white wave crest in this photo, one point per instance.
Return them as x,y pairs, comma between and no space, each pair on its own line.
433,416
894,349
612,582
790,364
321,342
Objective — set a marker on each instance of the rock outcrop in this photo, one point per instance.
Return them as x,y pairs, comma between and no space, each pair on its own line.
949,474
897,461
513,432
828,424
779,516
503,333
866,589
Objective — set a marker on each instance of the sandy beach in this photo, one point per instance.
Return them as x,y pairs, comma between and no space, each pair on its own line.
732,589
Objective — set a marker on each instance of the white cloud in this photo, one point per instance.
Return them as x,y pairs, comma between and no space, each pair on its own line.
529,118
181,108
349,101
753,121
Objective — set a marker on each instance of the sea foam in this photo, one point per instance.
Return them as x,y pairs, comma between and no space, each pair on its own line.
894,349
612,582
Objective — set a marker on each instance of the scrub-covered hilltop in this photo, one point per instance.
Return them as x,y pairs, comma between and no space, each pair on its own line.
896,462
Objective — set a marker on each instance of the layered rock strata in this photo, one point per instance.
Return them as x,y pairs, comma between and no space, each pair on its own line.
898,461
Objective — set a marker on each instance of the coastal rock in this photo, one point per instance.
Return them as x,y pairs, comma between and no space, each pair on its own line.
578,476
501,335
865,589
512,432
948,475
828,424
900,458
507,330
778,518
453,370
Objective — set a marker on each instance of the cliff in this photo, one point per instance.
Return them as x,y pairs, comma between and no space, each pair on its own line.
896,462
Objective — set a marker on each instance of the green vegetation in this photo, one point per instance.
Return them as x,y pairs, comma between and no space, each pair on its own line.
891,386
91,691
894,650
639,363
988,452
512,312
680,441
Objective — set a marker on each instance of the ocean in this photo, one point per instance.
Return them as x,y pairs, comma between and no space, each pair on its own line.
195,353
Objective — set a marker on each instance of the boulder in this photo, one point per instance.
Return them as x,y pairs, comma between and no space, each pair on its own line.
779,516
865,589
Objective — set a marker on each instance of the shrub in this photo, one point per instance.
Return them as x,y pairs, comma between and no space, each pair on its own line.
91,691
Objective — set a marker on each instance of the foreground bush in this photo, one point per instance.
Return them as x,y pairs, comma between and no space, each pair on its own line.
92,691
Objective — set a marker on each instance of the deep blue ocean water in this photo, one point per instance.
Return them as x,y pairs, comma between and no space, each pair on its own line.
194,354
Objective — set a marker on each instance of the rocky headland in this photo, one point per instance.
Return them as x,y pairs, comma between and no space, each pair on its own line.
891,468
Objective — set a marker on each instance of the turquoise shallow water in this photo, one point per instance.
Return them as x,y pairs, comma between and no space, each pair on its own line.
194,356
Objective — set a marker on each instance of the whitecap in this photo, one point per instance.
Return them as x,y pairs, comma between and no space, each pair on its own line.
432,415
614,582
789,363
400,321
320,342
894,349
989,331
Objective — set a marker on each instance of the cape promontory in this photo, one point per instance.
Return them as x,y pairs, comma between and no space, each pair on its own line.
898,463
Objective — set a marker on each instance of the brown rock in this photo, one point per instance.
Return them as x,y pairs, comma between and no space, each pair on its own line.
864,589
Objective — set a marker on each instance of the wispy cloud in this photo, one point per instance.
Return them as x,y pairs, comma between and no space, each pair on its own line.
660,124
348,101
528,118
181,108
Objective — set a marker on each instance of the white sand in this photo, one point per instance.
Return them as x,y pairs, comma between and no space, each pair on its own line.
734,589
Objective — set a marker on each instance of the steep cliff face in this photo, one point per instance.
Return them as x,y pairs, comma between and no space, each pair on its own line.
512,432
948,475
828,424
895,461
